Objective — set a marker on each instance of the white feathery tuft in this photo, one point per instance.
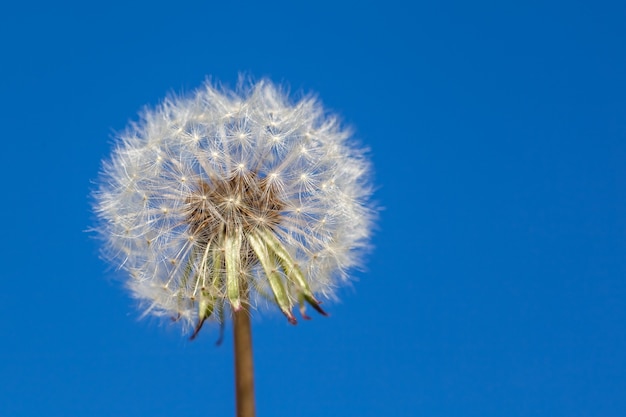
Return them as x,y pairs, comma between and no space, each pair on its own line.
220,198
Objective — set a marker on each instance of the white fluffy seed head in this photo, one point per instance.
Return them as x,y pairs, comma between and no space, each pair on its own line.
196,171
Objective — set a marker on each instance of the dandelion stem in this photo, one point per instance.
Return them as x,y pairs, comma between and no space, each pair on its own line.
244,368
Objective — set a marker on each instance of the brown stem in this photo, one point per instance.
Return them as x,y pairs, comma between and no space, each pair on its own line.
244,369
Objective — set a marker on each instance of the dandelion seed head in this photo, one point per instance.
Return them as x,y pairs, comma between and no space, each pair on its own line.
224,198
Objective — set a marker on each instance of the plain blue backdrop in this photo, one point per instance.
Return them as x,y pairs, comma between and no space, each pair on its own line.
498,134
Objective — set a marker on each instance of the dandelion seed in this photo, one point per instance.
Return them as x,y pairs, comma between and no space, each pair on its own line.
219,200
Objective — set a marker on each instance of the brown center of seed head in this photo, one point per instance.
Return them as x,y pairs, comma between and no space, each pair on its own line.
223,207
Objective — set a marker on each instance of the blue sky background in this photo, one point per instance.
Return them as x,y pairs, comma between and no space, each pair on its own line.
498,134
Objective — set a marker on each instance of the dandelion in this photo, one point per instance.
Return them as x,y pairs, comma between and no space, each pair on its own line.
215,202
